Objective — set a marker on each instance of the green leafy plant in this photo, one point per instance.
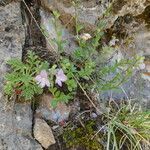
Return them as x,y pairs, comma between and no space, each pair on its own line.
59,96
84,68
87,65
112,76
20,80
59,33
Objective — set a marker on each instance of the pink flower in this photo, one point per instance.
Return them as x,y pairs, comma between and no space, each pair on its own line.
60,77
42,79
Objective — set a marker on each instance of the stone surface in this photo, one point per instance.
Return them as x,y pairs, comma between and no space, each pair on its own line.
90,12
142,41
45,110
11,35
47,23
87,15
43,133
135,43
4,2
129,18
16,127
15,119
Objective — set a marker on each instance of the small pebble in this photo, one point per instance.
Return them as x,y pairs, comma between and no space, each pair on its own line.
93,115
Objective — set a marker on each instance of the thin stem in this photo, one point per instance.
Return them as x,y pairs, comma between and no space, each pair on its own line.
85,93
98,131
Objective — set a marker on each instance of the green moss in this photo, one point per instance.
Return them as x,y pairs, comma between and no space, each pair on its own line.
82,137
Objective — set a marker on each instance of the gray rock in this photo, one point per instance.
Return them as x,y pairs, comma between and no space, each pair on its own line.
4,2
12,35
138,86
47,23
15,119
16,127
142,41
47,112
12,142
90,12
43,133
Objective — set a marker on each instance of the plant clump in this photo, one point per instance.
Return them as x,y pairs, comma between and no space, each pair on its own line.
127,127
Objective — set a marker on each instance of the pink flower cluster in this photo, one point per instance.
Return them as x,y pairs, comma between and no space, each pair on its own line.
42,78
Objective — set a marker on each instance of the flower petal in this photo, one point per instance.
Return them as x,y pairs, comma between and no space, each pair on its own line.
47,83
38,78
59,82
142,66
85,36
43,74
42,83
63,78
60,72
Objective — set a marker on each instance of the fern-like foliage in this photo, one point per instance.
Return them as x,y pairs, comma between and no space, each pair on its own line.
21,78
59,96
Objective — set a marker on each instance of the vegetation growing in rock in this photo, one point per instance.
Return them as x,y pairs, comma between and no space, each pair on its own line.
83,69
123,127
83,137
127,127
87,68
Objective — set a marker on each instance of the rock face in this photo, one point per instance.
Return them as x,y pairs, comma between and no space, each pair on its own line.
136,29
4,2
45,110
15,119
89,12
16,127
130,18
47,22
43,133
11,35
